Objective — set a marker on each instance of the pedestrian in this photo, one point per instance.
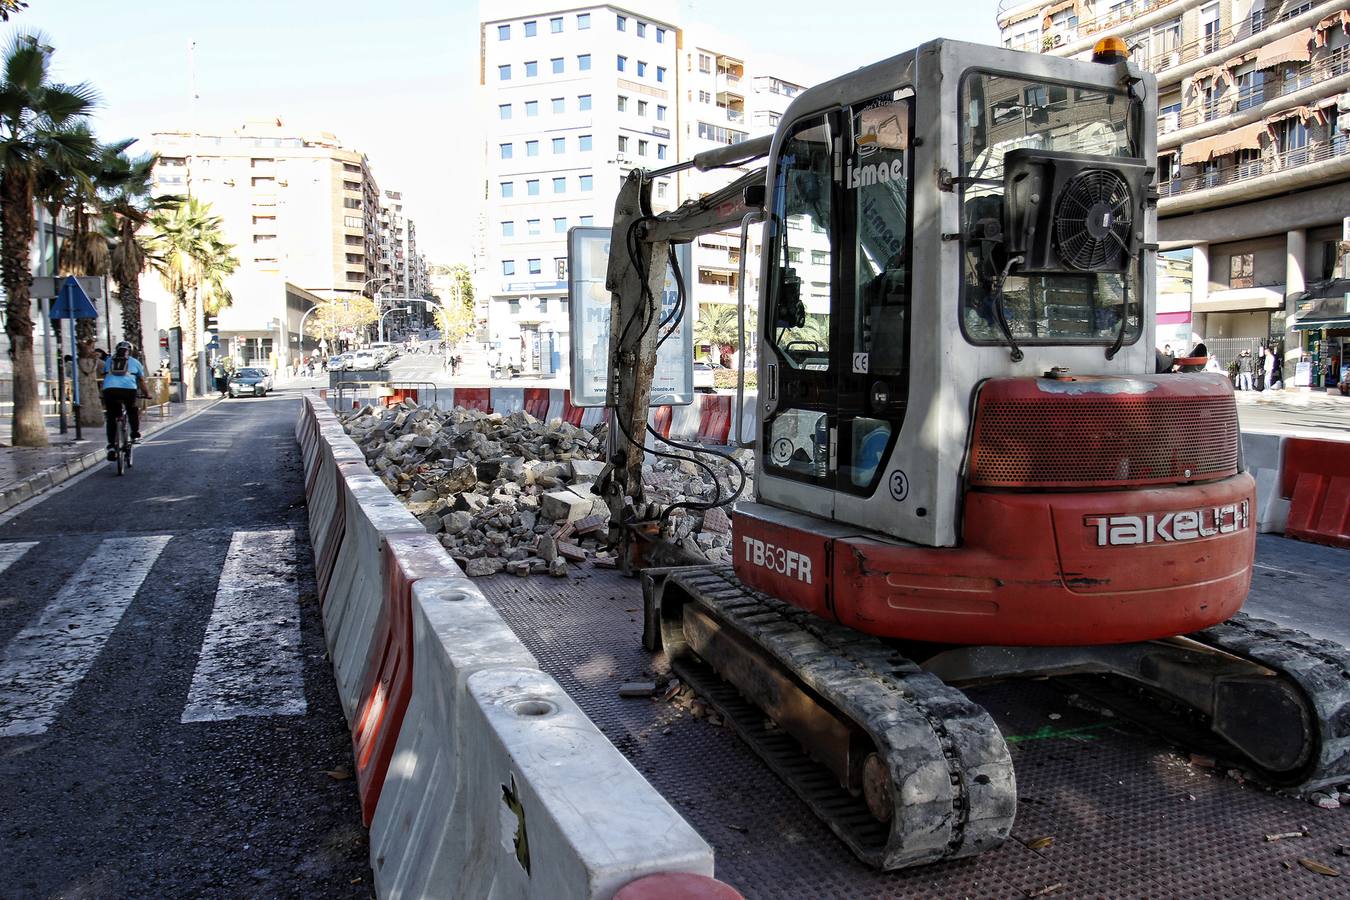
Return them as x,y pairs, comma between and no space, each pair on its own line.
1268,367
1276,379
1245,370
222,377
1212,364
456,362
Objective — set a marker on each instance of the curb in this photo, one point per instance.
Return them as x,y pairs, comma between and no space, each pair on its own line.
43,481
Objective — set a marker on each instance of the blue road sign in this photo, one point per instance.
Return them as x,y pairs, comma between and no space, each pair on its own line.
72,302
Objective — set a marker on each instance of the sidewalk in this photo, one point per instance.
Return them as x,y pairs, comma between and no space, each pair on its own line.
1293,397
28,471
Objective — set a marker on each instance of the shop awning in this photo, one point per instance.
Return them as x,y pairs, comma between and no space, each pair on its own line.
1248,137
1290,48
1323,30
1220,74
1325,304
1294,112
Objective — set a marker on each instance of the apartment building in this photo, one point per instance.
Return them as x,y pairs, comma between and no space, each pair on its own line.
726,97
302,212
1253,165
573,98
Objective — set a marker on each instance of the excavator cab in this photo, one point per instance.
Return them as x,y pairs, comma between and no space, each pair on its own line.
966,467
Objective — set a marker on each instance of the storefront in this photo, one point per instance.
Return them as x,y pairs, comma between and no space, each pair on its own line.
1322,321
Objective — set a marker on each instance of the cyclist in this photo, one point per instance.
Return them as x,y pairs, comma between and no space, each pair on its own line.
123,380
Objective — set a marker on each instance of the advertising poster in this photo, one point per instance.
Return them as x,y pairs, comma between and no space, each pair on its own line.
589,305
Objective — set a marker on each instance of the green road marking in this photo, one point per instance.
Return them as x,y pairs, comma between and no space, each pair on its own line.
1050,733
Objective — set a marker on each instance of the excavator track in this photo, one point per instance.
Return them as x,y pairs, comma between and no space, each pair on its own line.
948,781
1321,669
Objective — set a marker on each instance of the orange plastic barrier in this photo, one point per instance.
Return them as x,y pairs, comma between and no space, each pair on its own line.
399,395
536,402
385,696
715,419
474,398
661,421
572,414
1315,476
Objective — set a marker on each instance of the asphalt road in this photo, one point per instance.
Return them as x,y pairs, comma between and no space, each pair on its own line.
168,720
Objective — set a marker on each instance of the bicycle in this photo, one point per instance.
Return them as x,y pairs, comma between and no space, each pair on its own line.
123,446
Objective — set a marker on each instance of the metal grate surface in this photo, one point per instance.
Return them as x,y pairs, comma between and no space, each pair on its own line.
1077,441
1129,817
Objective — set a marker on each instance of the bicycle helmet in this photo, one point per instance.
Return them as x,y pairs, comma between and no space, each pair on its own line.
123,348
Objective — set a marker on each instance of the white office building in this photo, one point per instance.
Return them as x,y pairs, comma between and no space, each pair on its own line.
573,98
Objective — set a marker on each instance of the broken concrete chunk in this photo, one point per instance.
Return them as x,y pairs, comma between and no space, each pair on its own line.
564,506
637,689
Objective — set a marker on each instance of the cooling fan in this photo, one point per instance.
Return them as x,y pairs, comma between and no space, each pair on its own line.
1094,220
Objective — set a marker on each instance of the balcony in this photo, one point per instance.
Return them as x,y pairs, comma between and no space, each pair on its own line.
1332,65
1281,162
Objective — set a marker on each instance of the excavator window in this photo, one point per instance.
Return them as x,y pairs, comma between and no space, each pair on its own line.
840,293
1004,113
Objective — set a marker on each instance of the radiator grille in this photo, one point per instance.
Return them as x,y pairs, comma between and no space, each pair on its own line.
1104,441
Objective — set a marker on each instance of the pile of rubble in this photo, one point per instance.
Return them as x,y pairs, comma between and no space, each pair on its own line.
512,493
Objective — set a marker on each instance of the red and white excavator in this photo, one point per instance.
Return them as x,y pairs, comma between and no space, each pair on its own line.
966,469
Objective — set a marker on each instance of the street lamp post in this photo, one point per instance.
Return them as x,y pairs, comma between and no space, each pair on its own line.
391,310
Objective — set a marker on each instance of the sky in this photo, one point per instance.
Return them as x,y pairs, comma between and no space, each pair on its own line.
397,79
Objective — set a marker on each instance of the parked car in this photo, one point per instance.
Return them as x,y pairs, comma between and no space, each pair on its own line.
384,351
703,376
340,362
255,382
364,361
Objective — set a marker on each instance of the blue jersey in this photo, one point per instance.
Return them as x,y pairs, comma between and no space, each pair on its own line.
117,375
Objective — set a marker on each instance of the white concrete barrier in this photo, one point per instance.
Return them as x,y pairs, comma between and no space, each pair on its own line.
1262,455
557,400
355,595
684,420
507,400
748,417
499,785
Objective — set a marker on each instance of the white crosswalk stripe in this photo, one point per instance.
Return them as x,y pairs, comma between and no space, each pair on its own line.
10,553
250,662
44,664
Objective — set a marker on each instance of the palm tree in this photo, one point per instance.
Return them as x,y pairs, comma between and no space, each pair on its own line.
127,208
38,131
189,252
718,324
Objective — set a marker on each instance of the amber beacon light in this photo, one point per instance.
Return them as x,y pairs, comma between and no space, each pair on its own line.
1110,50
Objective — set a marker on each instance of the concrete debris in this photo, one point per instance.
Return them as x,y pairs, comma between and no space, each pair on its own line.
513,493
637,689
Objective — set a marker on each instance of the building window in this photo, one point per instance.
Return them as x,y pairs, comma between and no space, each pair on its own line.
641,29
353,222
531,68
531,108
642,69
642,148
508,189
531,29
505,150
352,186
583,21
660,73
264,181
503,32
1240,270
531,148
351,202
263,238
585,182
820,258
559,185
583,102
508,229
557,65
587,221
535,267
621,22
660,151
660,113
508,267
660,35
513,305
559,106
642,108
504,111
532,187
503,73
560,145
623,144
623,103
555,25
623,62
719,134
704,97
560,226
704,63
660,190
532,227
584,142
584,62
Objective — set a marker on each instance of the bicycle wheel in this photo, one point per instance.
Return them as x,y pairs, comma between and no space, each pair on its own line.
122,442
